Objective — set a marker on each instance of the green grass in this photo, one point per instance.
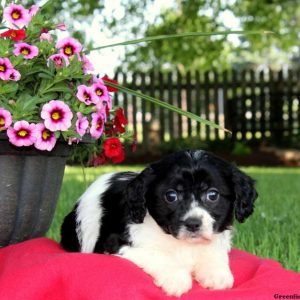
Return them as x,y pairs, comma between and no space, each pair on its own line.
273,231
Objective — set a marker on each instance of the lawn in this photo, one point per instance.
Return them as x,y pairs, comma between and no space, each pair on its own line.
272,232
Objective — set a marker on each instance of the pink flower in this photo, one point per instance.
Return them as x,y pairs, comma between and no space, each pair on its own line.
69,46
57,115
28,51
15,75
97,127
45,36
61,26
45,139
86,95
5,68
59,60
33,10
73,141
102,93
87,65
95,79
5,119
82,124
16,15
21,134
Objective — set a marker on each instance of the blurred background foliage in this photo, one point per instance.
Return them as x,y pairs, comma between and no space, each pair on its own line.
126,19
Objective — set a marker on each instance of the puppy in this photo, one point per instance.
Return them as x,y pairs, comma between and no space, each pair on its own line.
174,219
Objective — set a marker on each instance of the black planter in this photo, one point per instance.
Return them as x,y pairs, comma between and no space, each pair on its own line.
30,182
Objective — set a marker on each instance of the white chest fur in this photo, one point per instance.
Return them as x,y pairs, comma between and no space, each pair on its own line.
173,262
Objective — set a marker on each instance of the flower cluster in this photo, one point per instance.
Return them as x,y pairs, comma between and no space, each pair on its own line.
48,90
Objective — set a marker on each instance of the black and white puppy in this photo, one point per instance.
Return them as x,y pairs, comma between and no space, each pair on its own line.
174,219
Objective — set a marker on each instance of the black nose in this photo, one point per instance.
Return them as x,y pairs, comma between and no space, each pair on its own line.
193,224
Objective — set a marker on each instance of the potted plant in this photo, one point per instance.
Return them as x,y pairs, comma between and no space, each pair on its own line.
49,100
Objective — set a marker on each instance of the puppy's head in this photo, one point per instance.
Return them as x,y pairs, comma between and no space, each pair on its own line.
192,195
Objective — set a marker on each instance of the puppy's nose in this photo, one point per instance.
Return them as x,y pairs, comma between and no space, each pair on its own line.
193,224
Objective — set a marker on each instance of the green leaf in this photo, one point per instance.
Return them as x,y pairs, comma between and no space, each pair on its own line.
180,35
58,88
166,105
9,87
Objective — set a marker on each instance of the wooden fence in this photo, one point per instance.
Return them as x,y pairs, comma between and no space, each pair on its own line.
252,104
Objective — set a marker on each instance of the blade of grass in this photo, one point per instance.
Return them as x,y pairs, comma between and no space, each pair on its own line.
166,105
179,35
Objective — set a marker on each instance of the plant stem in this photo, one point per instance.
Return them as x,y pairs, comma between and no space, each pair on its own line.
180,35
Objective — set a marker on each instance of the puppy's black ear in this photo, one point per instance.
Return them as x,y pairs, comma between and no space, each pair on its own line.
135,195
245,194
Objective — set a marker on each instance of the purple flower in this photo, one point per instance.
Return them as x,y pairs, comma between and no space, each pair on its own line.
87,65
5,68
45,36
86,95
82,124
5,119
16,15
102,93
97,127
69,46
33,10
15,75
61,27
73,141
57,115
59,60
28,51
21,134
45,139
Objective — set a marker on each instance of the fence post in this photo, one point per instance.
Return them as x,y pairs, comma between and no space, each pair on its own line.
276,103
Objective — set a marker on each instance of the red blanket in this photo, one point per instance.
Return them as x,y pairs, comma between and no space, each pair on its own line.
40,270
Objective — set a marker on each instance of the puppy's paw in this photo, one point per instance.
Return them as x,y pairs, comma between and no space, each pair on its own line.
174,283
215,279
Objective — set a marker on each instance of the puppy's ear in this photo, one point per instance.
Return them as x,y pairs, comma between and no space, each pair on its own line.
245,194
135,195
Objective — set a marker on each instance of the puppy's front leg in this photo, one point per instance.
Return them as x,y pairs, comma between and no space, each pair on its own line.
212,271
174,279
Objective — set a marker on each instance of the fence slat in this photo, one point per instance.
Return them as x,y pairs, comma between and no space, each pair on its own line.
198,100
189,101
171,101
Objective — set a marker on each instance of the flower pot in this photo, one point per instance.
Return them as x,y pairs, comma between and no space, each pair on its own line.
30,182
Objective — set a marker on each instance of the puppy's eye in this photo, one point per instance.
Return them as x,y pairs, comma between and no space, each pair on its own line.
212,195
171,196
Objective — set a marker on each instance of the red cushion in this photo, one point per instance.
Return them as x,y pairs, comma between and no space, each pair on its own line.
39,269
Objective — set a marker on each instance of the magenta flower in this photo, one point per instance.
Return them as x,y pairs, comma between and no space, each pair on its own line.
61,27
16,15
69,46
46,36
87,65
59,60
82,124
45,139
97,127
57,115
102,93
33,10
5,68
22,134
95,79
15,75
5,119
86,95
73,141
28,51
